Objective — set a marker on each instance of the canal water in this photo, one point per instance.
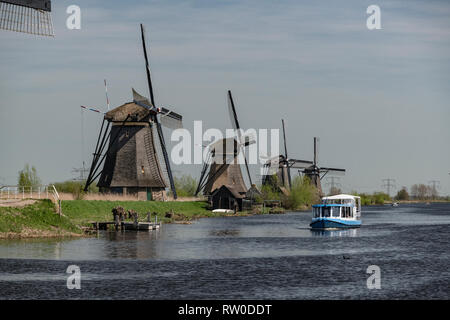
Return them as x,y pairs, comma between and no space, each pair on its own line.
255,257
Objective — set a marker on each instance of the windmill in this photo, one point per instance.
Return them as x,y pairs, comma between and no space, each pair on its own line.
27,16
221,167
136,159
283,164
316,173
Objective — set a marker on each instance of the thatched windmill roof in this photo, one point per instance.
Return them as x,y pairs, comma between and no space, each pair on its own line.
136,112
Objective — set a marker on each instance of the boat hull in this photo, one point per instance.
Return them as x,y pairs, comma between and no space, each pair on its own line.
329,223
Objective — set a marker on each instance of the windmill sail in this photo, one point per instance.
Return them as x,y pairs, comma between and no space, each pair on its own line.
27,16
171,119
139,98
243,141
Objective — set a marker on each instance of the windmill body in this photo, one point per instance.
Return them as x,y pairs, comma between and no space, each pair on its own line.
224,169
316,173
132,165
221,178
281,179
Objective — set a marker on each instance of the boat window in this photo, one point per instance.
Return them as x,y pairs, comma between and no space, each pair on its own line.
347,212
326,212
336,211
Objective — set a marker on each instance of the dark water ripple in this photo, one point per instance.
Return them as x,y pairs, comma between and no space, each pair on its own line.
260,257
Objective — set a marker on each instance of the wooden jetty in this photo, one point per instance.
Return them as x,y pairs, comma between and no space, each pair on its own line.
140,226
124,225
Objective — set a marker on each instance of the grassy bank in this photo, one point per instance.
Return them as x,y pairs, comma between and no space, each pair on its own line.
83,211
36,220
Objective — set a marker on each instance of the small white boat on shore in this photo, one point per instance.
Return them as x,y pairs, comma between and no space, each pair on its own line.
223,211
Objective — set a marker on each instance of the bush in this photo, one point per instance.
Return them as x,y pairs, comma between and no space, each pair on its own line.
76,188
185,186
269,192
371,199
302,193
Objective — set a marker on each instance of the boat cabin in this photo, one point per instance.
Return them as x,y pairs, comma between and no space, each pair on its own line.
341,206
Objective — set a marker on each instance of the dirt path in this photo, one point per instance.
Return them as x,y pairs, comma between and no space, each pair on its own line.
16,203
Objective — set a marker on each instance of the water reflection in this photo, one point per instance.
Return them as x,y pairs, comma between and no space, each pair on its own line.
224,233
351,232
131,244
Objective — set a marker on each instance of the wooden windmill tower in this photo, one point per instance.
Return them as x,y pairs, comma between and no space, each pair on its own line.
136,159
283,165
316,173
222,169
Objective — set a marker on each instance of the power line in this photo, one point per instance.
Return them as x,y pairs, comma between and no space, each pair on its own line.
435,184
388,183
333,182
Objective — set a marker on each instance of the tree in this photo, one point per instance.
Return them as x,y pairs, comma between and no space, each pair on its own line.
402,194
28,177
423,192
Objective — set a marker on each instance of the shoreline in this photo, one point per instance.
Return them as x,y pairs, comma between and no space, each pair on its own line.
34,219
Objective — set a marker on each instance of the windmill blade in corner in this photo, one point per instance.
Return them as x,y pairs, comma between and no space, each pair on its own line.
27,16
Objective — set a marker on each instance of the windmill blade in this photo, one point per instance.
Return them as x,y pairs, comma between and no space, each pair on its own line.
333,170
166,158
92,109
248,139
299,164
171,119
158,124
27,16
286,154
140,98
203,176
235,124
284,139
316,150
233,116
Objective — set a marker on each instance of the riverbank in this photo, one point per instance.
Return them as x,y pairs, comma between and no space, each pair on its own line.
38,218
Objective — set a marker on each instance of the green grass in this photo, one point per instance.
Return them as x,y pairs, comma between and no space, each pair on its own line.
84,211
38,216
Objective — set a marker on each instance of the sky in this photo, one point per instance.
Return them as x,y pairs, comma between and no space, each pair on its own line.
378,99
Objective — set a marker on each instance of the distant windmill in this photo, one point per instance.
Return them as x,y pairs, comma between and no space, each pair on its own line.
136,159
316,173
221,167
284,165
27,16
